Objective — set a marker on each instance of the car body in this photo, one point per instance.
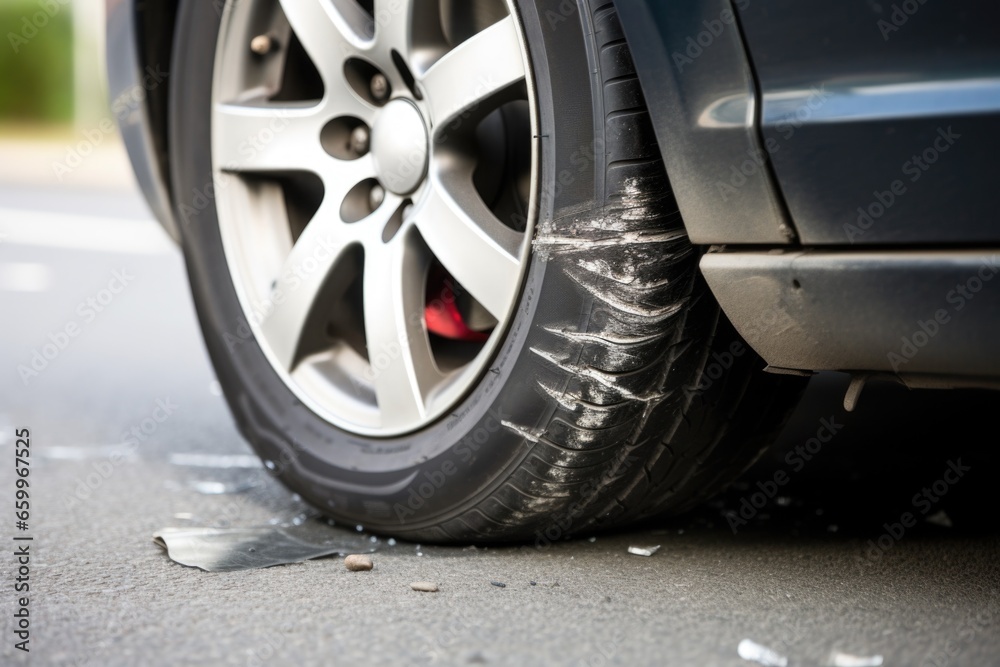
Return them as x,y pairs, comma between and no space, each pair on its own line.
839,170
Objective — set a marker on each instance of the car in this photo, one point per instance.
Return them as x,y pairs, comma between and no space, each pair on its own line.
520,269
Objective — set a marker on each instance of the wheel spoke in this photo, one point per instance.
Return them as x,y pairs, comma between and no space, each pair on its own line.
473,72
480,252
398,348
339,176
329,30
268,138
392,26
409,27
300,283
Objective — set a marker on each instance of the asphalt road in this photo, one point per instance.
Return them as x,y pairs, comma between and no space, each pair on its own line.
819,567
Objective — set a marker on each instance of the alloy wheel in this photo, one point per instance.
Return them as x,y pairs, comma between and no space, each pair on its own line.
374,172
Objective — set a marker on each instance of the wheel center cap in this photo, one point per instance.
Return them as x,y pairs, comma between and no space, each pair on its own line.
399,146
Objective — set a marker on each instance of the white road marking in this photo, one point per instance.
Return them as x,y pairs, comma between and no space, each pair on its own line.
83,232
196,460
24,277
83,452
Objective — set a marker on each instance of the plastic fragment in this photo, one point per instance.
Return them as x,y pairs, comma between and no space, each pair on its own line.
643,551
762,655
838,659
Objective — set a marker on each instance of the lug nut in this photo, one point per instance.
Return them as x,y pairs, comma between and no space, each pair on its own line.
262,45
359,139
376,196
380,87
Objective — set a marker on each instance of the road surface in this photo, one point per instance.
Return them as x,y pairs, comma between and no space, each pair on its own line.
822,563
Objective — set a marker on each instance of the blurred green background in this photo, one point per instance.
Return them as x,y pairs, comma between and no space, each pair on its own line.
53,99
36,63
51,62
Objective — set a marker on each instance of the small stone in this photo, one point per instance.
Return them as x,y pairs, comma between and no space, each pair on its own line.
358,563
424,587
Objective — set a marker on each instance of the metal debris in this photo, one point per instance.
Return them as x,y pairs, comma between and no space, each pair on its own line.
644,551
232,549
940,519
754,652
498,584
424,587
358,563
838,659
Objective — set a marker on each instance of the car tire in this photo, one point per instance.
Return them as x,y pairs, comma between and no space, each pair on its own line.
618,390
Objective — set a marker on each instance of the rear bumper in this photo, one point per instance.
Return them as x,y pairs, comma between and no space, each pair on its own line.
903,313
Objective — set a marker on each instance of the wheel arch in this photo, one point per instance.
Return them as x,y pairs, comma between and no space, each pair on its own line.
140,36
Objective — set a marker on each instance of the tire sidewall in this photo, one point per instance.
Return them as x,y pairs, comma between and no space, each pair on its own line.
404,483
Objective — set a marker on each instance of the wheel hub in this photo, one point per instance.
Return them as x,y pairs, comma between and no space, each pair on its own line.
399,146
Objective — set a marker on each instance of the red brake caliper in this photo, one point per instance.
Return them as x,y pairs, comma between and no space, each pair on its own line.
442,314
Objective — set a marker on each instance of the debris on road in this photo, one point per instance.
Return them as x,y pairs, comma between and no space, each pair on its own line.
940,519
424,587
498,584
358,563
838,659
762,655
644,551
232,549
